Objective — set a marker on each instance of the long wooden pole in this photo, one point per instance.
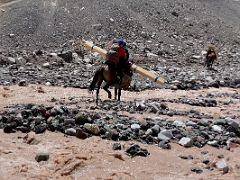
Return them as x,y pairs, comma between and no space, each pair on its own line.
134,67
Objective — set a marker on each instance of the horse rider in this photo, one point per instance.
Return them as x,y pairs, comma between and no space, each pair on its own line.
210,56
118,58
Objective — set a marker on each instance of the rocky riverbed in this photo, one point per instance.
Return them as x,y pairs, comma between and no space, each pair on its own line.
192,127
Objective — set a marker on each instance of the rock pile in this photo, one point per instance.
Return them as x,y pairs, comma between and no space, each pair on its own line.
73,122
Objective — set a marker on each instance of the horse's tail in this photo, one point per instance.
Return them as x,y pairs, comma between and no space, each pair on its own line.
95,79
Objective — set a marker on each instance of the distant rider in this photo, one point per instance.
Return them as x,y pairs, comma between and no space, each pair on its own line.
118,58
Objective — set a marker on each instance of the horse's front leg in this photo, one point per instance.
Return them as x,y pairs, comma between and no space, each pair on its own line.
119,93
115,93
107,90
97,95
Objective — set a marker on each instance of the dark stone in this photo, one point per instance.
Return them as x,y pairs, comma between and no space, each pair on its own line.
204,152
230,129
174,13
39,52
136,150
117,146
81,118
220,122
215,84
234,124
26,113
163,106
203,122
42,157
66,56
199,144
156,129
23,129
69,122
22,83
205,161
164,145
220,156
189,157
114,135
3,119
124,136
40,128
149,139
197,170
80,134
8,129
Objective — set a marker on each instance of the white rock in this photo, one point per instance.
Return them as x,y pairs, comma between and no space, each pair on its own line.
97,26
151,55
204,53
74,55
88,66
11,35
141,105
75,72
135,127
196,57
48,84
87,60
11,60
70,131
209,78
186,142
179,123
46,65
171,70
165,135
217,128
149,132
53,54
222,165
21,60
212,143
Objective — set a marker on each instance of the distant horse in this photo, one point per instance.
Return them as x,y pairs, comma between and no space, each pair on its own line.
105,73
211,56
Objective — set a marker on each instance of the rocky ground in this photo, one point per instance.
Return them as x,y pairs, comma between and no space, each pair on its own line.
167,38
51,126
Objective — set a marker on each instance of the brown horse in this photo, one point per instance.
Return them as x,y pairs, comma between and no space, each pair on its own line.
108,75
211,56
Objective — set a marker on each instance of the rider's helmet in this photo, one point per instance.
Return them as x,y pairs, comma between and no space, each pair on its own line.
121,42
211,48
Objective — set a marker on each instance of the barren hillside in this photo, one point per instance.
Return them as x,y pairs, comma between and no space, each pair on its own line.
50,125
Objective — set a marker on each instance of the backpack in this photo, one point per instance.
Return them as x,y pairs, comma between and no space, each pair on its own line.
127,53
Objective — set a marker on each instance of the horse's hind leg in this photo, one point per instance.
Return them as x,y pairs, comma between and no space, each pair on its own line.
98,89
211,64
115,93
107,90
